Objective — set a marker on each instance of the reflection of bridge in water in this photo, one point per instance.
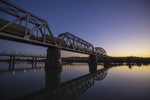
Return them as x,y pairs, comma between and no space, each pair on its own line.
65,91
24,27
68,90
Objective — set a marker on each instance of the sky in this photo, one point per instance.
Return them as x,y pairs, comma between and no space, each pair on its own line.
121,27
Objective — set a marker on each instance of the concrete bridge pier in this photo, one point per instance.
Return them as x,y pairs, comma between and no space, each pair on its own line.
53,59
92,63
106,62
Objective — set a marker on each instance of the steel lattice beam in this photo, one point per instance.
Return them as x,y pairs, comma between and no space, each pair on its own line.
74,42
26,24
100,51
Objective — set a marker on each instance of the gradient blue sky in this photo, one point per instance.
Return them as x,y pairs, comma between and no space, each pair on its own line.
121,27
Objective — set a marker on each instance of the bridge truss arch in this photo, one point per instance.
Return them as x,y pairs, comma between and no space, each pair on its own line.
100,51
71,41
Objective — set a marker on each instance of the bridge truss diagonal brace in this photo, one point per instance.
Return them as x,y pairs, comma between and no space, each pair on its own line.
71,41
32,26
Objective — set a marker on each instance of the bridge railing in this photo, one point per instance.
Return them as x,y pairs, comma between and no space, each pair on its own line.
22,23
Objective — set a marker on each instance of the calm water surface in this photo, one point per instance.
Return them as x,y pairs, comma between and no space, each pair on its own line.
74,81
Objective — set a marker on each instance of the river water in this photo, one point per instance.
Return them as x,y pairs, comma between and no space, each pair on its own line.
74,81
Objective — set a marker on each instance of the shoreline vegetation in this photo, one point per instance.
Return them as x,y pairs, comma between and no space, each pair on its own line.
130,59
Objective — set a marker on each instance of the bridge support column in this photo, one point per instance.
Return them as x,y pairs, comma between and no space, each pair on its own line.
92,63
53,59
106,62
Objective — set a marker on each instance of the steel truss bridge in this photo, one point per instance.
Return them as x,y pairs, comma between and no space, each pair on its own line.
21,54
17,24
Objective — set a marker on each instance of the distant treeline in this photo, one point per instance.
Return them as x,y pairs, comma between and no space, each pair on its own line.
108,59
100,59
75,59
129,59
